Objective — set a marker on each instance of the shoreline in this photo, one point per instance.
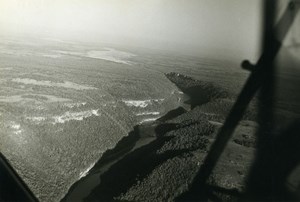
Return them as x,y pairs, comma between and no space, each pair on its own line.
179,137
142,134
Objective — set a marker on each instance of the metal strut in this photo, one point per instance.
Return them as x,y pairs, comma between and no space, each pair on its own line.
259,73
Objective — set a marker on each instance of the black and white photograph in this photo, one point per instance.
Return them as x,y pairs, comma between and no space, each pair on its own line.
149,100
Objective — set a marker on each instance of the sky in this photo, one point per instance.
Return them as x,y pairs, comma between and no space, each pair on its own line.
219,26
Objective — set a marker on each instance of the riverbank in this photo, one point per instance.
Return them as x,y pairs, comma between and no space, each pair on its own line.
158,161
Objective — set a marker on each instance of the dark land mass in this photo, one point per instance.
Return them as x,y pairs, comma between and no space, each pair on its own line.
158,161
199,92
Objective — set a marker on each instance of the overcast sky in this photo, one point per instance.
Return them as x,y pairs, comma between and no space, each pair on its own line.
198,25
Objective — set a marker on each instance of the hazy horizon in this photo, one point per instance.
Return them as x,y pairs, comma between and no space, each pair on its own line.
230,28
194,26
